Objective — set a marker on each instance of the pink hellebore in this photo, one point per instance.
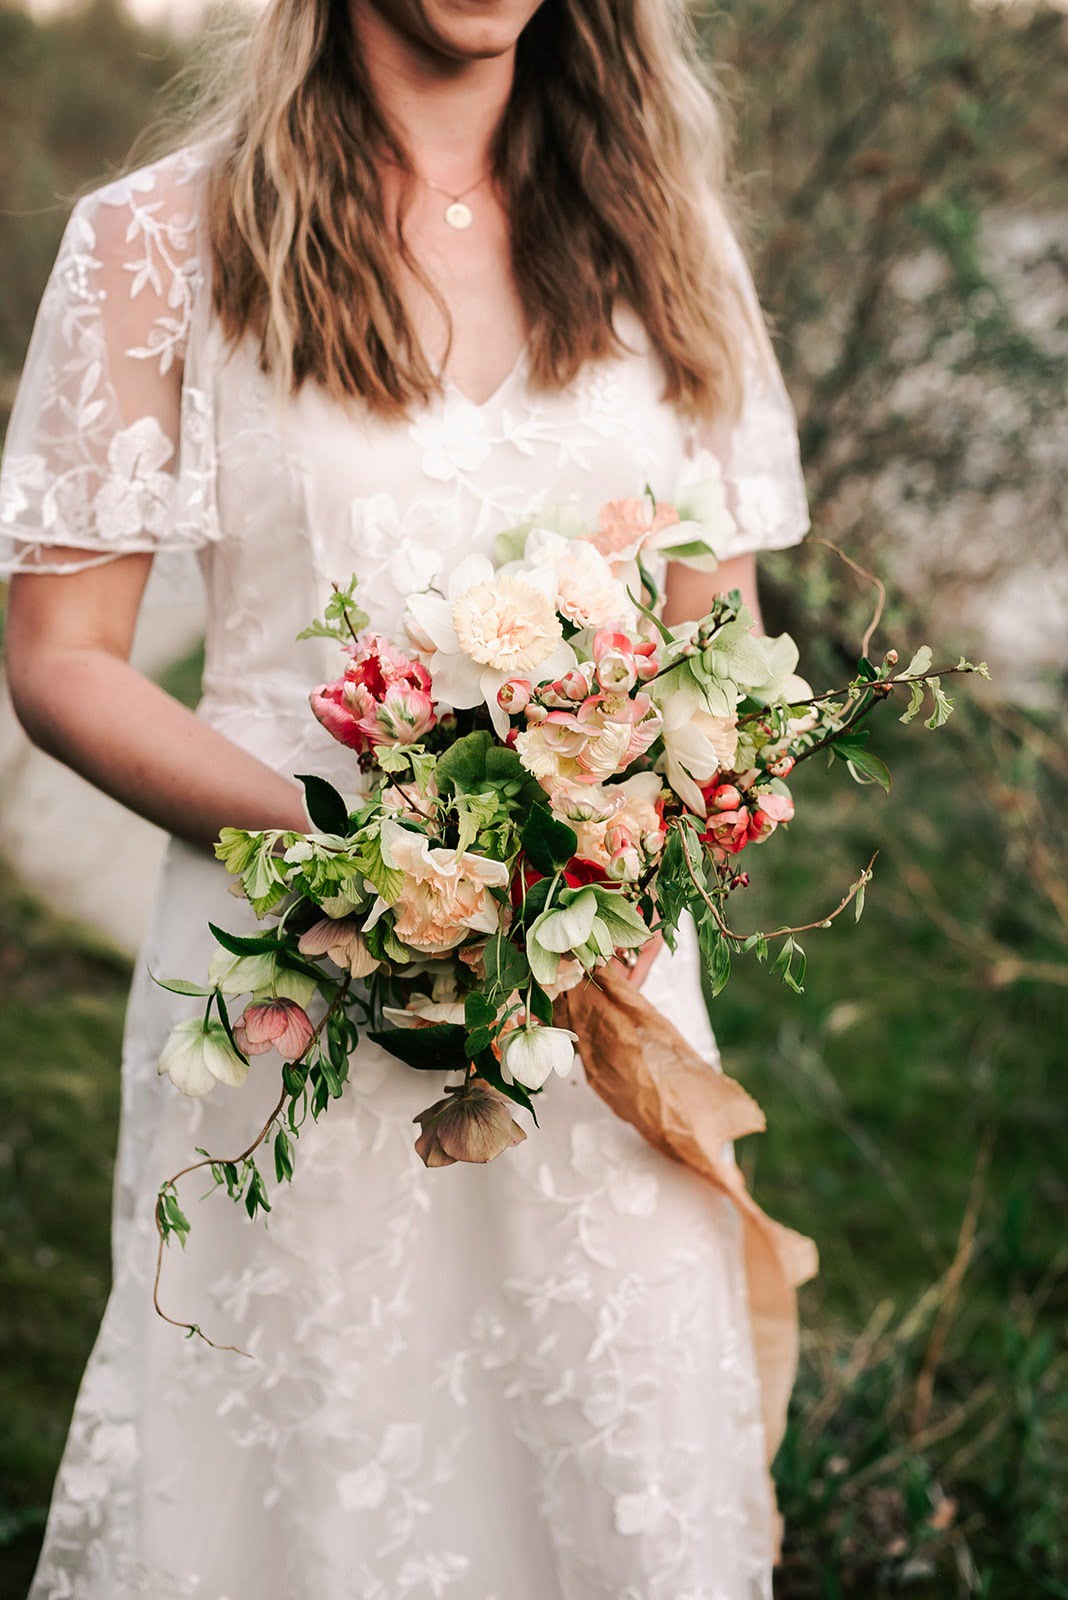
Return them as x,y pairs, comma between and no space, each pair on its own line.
279,1025
383,697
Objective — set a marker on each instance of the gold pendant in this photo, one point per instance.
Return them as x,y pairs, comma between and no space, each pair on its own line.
458,216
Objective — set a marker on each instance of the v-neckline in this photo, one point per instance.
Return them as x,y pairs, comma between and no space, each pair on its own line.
450,385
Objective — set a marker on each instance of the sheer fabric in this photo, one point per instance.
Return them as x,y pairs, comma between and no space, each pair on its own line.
533,1380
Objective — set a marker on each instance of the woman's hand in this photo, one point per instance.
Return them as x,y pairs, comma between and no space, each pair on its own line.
648,953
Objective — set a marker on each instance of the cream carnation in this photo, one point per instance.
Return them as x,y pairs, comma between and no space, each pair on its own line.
445,896
506,624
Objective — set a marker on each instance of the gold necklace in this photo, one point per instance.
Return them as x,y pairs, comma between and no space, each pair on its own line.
457,215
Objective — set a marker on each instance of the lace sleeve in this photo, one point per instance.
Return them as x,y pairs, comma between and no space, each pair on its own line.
755,460
107,449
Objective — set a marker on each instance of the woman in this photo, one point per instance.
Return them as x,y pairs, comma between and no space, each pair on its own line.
438,262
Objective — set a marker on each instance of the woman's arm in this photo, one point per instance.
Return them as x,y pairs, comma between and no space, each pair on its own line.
689,594
68,641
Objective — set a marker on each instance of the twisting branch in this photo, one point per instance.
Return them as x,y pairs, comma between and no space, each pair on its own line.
223,1161
868,577
776,933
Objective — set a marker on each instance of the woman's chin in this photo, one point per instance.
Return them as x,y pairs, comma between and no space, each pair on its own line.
474,30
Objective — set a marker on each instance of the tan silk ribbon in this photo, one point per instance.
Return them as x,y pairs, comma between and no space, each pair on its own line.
644,1069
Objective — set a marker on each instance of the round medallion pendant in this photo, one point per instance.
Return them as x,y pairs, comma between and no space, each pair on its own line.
459,216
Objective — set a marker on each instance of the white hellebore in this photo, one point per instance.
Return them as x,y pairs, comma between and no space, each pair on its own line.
696,746
530,1055
489,627
198,1055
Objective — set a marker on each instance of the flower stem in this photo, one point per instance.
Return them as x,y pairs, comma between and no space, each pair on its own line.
214,1161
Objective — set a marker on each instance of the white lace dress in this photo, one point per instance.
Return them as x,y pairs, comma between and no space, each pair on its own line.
529,1381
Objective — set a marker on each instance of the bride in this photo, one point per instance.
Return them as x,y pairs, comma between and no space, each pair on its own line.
433,264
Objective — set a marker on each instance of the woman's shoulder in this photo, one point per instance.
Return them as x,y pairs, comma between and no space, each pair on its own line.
132,247
168,188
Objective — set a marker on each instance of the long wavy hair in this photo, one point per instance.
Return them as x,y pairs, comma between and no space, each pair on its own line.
610,159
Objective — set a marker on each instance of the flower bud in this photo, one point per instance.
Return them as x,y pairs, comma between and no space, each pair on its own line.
279,1025
514,696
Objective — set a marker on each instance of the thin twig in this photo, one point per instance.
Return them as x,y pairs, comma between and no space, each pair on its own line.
868,577
962,1256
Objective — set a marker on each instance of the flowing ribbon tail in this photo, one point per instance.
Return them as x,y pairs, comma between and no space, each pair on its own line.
644,1069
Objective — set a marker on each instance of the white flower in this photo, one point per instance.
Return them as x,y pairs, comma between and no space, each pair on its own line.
702,500
258,974
530,1055
696,746
487,628
569,926
198,1055
134,497
453,438
587,592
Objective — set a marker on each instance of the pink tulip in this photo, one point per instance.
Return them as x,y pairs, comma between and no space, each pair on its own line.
279,1025
384,697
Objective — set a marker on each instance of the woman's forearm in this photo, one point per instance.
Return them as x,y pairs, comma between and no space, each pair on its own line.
98,715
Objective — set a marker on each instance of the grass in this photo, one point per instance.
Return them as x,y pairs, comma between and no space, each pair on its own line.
914,1098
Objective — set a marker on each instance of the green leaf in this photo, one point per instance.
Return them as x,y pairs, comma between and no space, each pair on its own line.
866,670
180,986
224,1018
626,927
920,663
506,970
478,1012
858,903
240,944
437,1048
541,1006
665,633
871,768
283,1157
325,807
462,767
716,951
341,619
547,844
943,705
916,693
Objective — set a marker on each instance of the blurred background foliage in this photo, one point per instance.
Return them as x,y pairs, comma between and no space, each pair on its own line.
905,169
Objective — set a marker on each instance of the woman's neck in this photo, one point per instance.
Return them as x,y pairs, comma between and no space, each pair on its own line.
445,110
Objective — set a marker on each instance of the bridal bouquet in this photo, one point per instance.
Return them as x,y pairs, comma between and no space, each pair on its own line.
545,776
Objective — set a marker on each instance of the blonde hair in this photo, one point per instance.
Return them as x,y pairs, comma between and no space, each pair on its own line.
610,159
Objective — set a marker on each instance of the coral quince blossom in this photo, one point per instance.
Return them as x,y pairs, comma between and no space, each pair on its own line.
488,628
445,896
620,662
382,698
